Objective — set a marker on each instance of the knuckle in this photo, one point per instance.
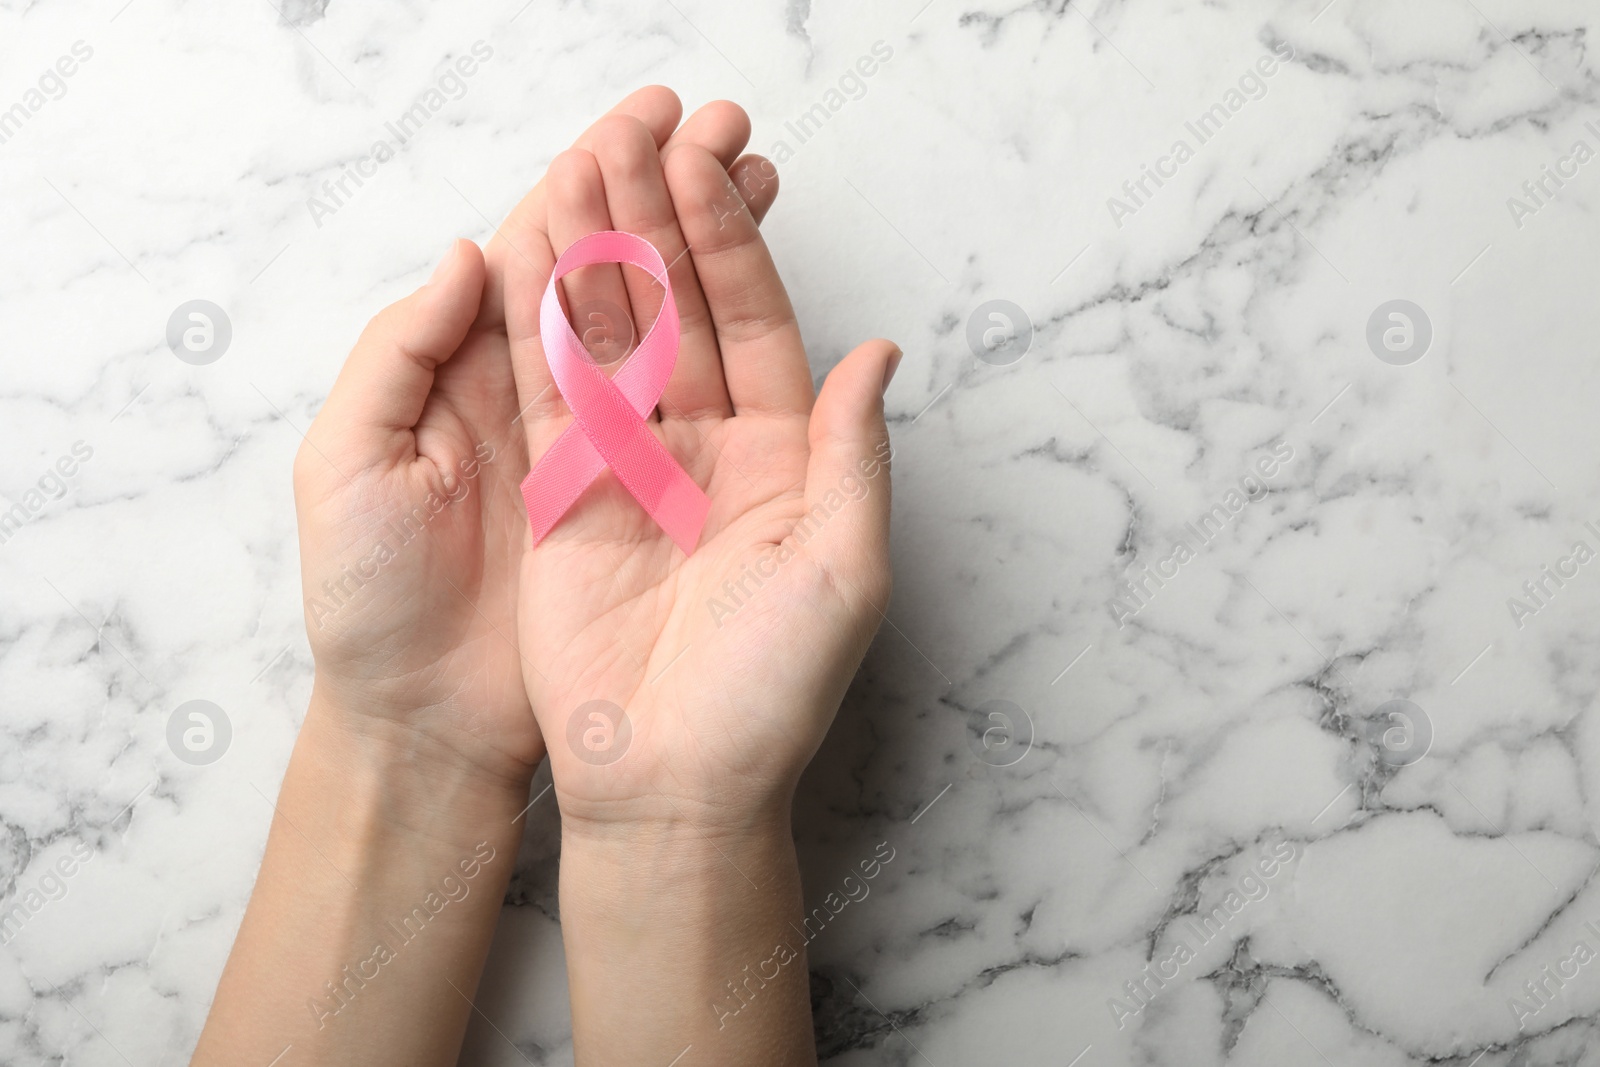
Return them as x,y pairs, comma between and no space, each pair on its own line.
385,324
570,168
625,146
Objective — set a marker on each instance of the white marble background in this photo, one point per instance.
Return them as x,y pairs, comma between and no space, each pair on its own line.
1232,715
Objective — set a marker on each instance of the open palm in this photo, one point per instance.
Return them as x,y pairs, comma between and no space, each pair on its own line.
727,665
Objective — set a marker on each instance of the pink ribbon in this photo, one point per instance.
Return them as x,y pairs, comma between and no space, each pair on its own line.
610,428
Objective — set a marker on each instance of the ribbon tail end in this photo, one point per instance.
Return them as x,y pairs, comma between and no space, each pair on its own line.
682,513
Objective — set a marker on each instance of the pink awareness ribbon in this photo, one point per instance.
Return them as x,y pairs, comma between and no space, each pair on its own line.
609,428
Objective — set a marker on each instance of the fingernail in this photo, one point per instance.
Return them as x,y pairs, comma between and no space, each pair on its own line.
444,264
890,367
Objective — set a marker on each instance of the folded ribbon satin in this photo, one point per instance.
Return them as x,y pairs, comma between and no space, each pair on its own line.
609,428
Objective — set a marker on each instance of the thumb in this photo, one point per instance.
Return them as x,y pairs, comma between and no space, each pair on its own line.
846,525
381,391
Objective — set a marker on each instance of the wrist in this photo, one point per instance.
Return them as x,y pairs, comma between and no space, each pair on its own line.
418,781
687,838
719,910
630,811
385,858
637,884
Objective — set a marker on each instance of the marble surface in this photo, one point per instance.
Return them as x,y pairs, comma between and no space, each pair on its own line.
1198,832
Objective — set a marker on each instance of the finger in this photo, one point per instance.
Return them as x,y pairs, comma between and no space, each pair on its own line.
383,386
763,358
525,272
638,202
756,180
594,298
846,525
721,127
656,106
577,208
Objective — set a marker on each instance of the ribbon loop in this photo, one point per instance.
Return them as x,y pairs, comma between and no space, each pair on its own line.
609,428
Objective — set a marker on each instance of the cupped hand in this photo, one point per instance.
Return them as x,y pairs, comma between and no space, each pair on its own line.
406,489
726,666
